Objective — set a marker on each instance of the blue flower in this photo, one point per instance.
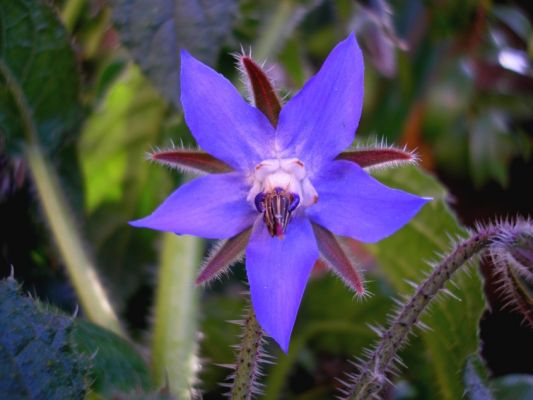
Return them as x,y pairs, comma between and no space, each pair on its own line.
286,182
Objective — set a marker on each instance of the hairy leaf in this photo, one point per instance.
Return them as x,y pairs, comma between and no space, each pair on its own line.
115,364
39,79
36,358
155,30
403,256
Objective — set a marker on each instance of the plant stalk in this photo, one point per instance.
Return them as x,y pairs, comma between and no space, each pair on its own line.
80,268
248,359
372,376
174,344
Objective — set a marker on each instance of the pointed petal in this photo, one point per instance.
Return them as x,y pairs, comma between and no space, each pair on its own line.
224,255
379,157
212,206
265,97
352,203
221,121
336,258
278,270
187,160
321,120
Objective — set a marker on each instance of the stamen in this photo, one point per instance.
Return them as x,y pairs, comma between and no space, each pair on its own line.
295,202
277,207
259,202
279,187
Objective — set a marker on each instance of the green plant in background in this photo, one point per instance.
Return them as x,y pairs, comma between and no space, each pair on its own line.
80,115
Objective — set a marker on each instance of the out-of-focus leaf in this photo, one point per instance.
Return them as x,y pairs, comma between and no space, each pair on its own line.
219,334
513,387
375,24
39,68
36,358
490,148
115,364
120,184
515,19
140,395
454,323
155,30
475,377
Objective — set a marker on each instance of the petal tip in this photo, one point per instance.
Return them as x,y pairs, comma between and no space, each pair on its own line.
281,338
284,345
184,54
137,223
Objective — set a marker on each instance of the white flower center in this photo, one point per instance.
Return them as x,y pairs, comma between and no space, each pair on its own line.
287,174
279,187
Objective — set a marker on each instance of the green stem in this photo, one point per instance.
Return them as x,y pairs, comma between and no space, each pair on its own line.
174,345
80,268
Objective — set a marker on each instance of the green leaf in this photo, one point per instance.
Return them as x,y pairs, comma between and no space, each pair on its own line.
116,366
475,377
514,387
39,79
403,256
36,358
154,31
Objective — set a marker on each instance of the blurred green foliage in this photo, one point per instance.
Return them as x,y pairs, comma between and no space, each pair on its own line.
451,79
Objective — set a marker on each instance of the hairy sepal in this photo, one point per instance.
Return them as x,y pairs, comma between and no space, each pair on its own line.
261,89
336,259
189,160
379,156
224,255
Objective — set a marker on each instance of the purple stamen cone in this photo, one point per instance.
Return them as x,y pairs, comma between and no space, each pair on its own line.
283,180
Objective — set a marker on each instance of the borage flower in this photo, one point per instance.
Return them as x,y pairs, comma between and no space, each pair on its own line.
280,186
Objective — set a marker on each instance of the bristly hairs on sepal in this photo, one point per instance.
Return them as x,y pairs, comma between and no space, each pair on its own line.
391,157
222,272
335,255
262,92
222,256
358,295
187,160
266,67
511,253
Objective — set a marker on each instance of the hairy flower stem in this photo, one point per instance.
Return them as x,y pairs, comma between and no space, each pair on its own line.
248,359
80,268
174,344
368,383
